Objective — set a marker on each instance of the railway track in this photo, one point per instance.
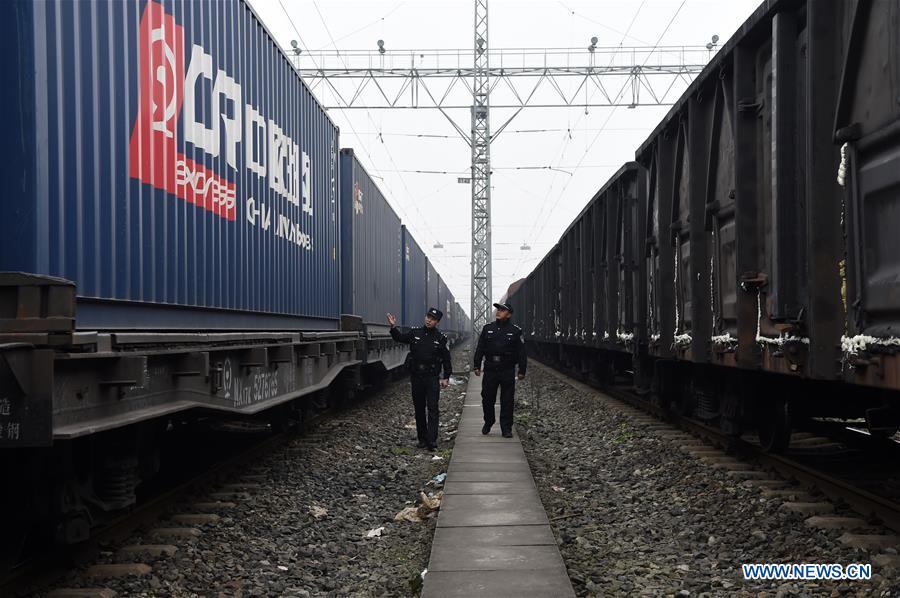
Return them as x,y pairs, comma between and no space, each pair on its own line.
206,496
870,505
47,568
289,516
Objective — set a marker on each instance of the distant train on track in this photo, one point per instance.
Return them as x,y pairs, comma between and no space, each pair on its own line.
181,237
745,268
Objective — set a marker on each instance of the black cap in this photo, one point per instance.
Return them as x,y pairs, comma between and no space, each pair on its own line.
435,313
505,306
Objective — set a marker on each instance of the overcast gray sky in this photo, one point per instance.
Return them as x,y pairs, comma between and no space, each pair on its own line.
528,206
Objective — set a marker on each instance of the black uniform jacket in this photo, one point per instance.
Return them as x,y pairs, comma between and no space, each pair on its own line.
427,350
501,346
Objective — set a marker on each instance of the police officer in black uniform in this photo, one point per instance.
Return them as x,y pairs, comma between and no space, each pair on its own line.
501,347
428,354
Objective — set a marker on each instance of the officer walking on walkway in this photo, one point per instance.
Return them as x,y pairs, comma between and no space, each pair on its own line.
428,353
501,347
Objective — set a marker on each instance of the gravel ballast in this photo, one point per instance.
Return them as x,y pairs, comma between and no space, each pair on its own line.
301,516
635,515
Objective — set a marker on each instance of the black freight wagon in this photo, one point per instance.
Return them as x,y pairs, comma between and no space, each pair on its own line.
750,276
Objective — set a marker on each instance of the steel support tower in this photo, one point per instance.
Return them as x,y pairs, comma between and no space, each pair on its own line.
520,78
481,174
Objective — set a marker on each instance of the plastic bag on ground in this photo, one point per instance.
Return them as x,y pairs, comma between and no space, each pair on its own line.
410,514
431,502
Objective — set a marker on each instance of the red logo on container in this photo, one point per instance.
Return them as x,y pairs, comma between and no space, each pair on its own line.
153,151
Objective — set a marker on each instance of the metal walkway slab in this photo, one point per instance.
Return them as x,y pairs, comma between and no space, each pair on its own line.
493,537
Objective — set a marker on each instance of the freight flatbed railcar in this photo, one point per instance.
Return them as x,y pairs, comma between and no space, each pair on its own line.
170,248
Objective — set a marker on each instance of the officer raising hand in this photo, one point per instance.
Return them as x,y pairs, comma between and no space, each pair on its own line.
502,348
428,354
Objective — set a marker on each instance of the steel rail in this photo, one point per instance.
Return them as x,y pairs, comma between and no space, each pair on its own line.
43,570
862,501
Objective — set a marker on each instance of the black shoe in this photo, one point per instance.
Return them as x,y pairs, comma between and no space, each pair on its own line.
507,433
422,444
432,447
486,429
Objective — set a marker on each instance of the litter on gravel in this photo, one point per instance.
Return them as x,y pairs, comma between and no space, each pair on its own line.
432,502
661,522
410,514
428,505
317,511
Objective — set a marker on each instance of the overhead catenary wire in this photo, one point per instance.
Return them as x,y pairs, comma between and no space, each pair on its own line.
349,122
527,167
505,132
597,136
581,116
625,34
364,27
414,184
604,25
424,221
603,126
303,44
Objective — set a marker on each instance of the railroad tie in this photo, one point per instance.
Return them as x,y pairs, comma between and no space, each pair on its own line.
113,570
154,550
82,593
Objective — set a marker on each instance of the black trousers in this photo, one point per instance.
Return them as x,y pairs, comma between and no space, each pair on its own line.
425,393
505,380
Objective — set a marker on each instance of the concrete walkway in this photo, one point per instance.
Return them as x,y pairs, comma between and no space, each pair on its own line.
493,537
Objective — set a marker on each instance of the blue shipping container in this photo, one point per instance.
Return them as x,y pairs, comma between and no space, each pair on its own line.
166,157
371,246
414,281
431,285
454,323
445,304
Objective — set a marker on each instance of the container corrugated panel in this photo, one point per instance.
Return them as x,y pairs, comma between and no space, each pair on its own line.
414,281
453,323
431,284
445,304
451,309
167,157
371,246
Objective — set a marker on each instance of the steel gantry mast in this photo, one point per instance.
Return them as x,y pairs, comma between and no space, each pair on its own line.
519,78
481,173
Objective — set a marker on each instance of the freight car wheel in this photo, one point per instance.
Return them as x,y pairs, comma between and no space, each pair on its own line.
12,547
774,425
16,525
